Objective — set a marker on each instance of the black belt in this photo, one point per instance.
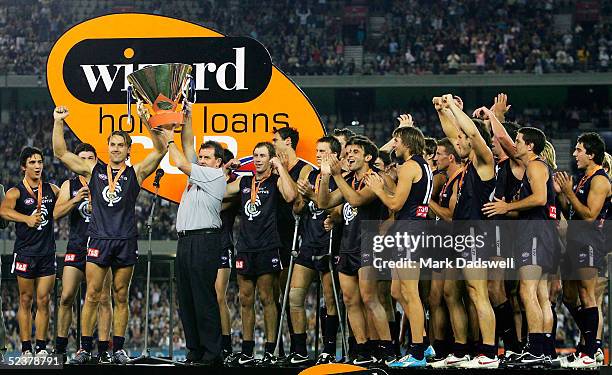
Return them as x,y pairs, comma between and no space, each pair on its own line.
195,232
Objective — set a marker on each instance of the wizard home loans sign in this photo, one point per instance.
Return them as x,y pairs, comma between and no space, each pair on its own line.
241,98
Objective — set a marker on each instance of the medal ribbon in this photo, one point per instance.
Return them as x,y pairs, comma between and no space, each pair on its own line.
450,179
360,182
84,183
31,192
585,178
463,172
255,186
112,183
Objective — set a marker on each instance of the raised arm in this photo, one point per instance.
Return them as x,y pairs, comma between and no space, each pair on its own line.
187,136
480,147
405,120
499,132
8,212
500,106
177,157
150,163
447,120
60,150
64,203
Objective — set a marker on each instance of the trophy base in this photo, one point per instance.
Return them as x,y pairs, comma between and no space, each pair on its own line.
166,120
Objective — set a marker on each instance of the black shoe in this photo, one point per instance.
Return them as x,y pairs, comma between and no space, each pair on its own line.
529,360
192,357
240,360
105,358
215,362
226,354
297,360
363,360
325,358
267,360
120,357
82,357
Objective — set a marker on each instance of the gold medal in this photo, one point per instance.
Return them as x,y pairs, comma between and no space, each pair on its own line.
112,182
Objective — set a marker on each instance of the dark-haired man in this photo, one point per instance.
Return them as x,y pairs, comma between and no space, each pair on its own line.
509,172
359,286
477,181
74,200
285,142
535,244
586,205
258,247
30,205
449,162
113,235
198,255
343,135
229,211
310,261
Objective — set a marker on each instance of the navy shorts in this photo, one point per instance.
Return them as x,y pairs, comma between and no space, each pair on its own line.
305,258
76,259
226,258
258,263
535,250
348,263
585,255
32,267
112,253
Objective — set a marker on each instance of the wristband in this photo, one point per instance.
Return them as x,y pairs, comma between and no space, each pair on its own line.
169,142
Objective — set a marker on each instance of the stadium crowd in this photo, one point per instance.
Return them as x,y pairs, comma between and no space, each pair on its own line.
398,37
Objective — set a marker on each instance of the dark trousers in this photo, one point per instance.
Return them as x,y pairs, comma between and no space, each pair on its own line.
196,264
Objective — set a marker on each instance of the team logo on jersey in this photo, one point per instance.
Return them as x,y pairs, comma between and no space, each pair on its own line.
349,213
84,210
44,213
111,199
29,201
314,210
251,210
102,176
